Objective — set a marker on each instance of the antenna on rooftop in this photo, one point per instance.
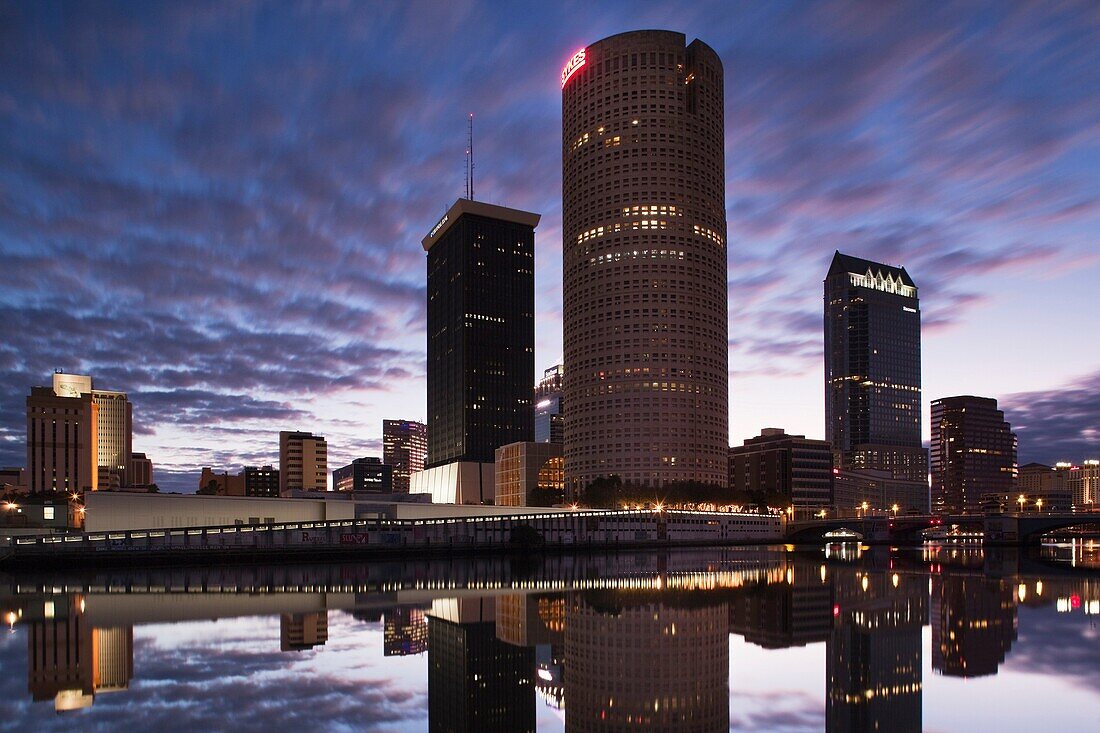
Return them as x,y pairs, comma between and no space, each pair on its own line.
470,157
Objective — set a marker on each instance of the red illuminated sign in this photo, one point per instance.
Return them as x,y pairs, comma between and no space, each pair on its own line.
572,67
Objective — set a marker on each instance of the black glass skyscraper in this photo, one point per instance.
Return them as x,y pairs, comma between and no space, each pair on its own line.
481,331
872,368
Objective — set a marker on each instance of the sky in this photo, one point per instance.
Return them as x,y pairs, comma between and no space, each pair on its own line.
218,207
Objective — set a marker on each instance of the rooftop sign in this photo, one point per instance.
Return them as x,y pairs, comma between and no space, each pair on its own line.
572,67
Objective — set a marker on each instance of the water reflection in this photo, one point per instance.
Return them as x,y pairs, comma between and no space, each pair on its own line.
580,644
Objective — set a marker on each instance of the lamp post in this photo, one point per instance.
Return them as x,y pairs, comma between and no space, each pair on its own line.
864,507
1039,505
1021,501
894,509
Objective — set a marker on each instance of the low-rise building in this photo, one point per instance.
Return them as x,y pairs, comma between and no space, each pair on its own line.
791,468
261,481
221,484
364,475
13,480
879,490
1050,484
460,482
530,474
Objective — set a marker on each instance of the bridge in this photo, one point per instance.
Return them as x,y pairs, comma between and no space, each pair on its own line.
1007,529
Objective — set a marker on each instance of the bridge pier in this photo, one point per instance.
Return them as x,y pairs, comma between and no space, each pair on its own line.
1001,530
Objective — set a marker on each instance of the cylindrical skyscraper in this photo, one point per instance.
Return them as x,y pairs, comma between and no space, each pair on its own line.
644,227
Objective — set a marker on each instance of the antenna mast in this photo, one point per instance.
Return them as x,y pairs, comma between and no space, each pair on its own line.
470,157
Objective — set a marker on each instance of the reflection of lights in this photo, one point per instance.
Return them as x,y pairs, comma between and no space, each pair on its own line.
836,610
790,576
1038,587
1021,592
11,618
544,674
865,583
895,580
822,573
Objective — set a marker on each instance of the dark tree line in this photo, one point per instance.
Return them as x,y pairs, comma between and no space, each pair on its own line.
611,492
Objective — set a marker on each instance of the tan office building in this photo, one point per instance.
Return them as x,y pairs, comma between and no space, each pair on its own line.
114,427
303,462
115,432
644,262
530,472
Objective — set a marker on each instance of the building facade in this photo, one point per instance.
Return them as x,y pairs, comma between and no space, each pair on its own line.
1049,484
303,462
481,331
530,474
872,368
405,449
141,470
644,262
364,475
261,481
879,490
549,407
1084,485
458,482
13,479
115,429
794,469
973,454
62,439
222,483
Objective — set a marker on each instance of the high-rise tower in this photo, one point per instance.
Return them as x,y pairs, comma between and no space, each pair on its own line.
872,368
644,262
405,447
973,455
481,331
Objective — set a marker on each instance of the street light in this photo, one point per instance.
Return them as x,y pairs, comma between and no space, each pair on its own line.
864,506
1021,501
1039,505
894,508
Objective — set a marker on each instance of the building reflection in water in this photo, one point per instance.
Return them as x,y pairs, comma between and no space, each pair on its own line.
655,664
299,632
70,662
537,621
405,631
795,609
873,658
973,624
641,648
476,682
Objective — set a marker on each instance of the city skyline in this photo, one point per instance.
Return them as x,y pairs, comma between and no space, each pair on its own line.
239,251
